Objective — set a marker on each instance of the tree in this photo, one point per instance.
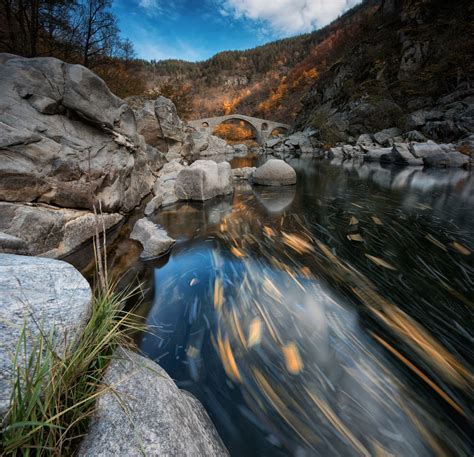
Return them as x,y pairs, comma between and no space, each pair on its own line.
99,31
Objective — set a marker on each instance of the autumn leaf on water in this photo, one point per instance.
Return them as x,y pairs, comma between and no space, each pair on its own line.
376,220
236,252
293,360
355,237
268,231
433,240
218,294
193,282
380,262
255,332
353,221
460,248
297,243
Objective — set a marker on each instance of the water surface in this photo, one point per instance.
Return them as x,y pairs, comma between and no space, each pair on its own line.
329,318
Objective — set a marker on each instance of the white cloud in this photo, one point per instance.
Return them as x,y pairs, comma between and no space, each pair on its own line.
287,17
151,7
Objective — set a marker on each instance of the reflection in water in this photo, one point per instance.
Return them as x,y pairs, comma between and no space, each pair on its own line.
333,318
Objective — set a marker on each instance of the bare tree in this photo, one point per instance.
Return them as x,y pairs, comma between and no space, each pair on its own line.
99,34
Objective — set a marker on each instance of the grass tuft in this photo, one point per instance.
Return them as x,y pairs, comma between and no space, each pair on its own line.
54,394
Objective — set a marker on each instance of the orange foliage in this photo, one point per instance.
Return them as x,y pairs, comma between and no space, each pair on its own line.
234,132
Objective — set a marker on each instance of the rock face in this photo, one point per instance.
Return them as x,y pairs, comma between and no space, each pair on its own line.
49,295
407,92
146,414
155,240
50,231
274,172
203,180
159,123
206,144
68,142
165,184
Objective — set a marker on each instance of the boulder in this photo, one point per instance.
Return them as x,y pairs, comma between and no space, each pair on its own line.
366,141
165,184
159,123
65,138
50,231
11,244
45,295
274,172
244,173
385,137
374,154
203,180
153,205
206,144
144,413
422,150
452,159
415,136
155,240
400,154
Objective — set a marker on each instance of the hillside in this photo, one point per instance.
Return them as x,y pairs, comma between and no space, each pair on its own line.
268,81
364,72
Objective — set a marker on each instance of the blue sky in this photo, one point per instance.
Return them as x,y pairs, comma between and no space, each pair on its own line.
196,30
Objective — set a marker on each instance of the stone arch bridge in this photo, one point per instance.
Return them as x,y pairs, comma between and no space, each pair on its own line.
263,128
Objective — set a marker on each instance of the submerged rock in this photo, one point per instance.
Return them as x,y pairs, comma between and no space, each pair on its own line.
203,180
155,240
275,172
145,413
45,295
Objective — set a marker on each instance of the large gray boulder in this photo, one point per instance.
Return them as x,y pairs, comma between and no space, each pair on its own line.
50,231
401,155
66,138
45,295
144,413
274,172
206,144
154,239
159,123
203,180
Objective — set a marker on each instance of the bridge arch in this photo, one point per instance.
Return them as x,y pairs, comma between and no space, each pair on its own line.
242,129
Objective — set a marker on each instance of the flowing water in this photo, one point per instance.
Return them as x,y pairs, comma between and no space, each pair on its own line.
333,317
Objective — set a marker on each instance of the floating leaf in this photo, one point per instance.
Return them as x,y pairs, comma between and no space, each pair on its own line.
297,243
236,252
218,294
433,240
380,262
355,237
353,221
268,231
292,358
193,282
255,332
460,248
376,220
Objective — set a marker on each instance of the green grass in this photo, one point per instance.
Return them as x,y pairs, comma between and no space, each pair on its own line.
54,395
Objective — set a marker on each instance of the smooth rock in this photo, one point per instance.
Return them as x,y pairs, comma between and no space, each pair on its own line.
206,144
146,414
374,154
49,295
153,205
271,143
400,154
155,240
12,244
203,180
274,172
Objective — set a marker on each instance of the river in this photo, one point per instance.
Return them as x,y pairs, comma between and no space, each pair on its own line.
329,318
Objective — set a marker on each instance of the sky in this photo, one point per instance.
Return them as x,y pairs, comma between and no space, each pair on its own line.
197,29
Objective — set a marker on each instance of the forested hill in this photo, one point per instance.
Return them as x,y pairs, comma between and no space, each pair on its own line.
267,81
